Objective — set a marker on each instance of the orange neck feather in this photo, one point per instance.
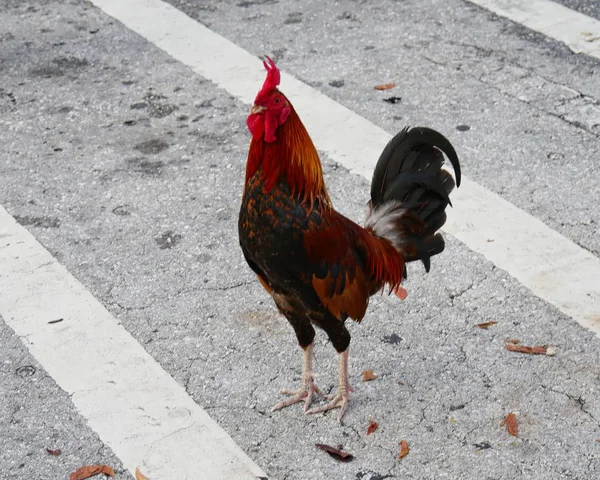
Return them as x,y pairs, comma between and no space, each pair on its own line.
293,158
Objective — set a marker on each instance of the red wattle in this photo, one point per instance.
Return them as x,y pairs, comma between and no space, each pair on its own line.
256,125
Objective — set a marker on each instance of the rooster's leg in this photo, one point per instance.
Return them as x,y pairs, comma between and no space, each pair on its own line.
307,388
341,398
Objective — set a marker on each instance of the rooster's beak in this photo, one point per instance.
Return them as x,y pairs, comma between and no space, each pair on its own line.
257,109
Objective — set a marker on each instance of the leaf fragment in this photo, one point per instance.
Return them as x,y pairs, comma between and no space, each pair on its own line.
91,470
487,325
403,449
512,426
385,86
401,293
372,427
368,375
139,475
537,350
335,452
514,341
55,452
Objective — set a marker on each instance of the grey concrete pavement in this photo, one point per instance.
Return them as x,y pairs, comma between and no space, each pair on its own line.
129,168
36,415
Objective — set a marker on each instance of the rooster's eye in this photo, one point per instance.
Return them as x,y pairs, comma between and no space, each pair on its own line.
277,99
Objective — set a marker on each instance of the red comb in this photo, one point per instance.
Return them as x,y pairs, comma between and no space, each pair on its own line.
273,76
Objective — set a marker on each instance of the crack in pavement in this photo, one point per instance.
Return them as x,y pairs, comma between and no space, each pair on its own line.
579,400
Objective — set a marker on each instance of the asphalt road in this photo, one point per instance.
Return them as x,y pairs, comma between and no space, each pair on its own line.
128,167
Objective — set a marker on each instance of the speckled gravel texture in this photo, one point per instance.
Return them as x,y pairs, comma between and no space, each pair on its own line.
129,168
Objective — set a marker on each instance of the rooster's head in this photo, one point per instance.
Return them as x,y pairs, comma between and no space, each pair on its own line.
271,109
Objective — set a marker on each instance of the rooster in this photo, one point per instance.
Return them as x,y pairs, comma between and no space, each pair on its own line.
320,267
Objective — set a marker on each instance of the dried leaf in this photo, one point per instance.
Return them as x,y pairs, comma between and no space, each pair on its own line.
91,470
368,375
490,240
401,293
385,86
403,449
514,341
335,453
56,452
512,427
139,475
372,427
538,350
486,325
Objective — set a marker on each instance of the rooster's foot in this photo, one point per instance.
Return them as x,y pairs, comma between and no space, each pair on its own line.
308,388
339,400
305,393
342,397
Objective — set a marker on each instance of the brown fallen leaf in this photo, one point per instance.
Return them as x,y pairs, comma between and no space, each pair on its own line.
385,86
538,350
512,427
335,453
91,470
368,375
372,427
514,341
56,452
139,475
486,325
403,449
401,293
490,240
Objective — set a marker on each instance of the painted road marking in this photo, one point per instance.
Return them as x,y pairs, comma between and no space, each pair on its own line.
576,30
136,407
550,265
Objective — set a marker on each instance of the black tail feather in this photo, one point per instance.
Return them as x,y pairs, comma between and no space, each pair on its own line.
411,150
409,173
405,183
